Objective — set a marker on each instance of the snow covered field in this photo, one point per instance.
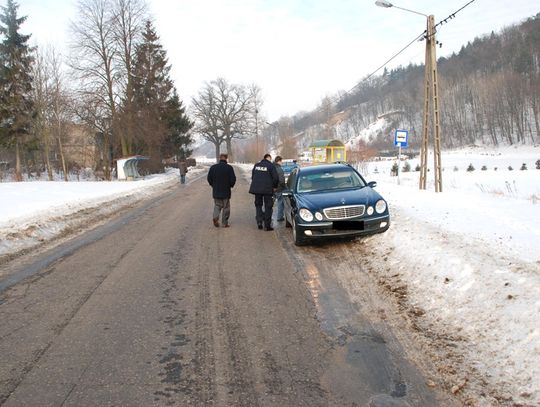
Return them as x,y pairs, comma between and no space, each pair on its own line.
470,260
469,256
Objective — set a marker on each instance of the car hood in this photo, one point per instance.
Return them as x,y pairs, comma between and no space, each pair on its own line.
317,201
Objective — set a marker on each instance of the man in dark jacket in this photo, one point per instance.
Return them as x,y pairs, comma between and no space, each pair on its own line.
221,178
264,181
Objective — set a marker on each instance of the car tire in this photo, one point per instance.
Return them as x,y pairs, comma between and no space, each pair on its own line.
296,234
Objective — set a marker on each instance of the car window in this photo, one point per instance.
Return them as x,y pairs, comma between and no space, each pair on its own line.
291,180
330,180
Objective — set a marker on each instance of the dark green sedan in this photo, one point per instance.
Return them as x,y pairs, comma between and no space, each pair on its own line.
332,200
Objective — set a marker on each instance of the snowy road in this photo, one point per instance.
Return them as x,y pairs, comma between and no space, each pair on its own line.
165,309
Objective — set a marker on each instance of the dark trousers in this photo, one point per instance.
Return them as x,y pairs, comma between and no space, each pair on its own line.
264,215
222,206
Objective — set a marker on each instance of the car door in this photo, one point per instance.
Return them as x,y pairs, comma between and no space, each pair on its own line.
288,199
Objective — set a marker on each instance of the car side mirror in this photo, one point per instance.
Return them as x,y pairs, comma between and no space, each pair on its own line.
372,184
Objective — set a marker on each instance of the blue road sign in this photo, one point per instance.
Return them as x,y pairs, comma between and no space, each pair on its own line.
400,138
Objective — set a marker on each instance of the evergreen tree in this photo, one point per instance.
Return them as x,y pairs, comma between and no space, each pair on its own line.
177,138
161,118
16,104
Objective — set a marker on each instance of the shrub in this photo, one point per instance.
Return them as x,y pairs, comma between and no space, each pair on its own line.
537,164
406,167
455,168
470,168
510,168
484,168
417,168
523,167
394,169
496,168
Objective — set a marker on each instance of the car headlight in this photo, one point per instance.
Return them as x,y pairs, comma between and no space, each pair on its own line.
305,215
380,206
318,216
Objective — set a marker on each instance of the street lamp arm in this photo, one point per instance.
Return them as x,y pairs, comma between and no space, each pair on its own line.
412,11
387,4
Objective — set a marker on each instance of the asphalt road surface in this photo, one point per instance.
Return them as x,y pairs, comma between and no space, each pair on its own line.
159,308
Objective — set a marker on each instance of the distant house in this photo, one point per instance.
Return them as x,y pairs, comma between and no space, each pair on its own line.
328,151
79,146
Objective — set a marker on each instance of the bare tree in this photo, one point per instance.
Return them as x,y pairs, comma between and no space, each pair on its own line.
95,47
128,19
534,96
255,118
204,110
59,102
52,106
234,108
224,111
39,90
288,147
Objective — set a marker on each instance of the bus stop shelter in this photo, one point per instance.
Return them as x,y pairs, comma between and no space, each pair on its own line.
328,151
126,168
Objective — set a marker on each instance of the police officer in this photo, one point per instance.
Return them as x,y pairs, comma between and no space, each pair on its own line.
264,181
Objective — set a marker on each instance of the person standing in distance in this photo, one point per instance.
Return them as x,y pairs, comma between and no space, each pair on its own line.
182,166
264,181
281,186
221,178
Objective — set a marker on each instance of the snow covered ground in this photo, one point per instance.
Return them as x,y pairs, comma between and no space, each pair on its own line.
470,260
469,256
37,211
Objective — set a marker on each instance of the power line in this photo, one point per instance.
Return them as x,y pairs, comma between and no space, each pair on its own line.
451,16
423,35
420,37
389,60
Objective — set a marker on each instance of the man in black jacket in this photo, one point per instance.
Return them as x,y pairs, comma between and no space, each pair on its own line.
264,181
221,178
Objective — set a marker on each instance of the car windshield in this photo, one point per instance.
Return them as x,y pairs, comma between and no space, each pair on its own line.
288,167
330,180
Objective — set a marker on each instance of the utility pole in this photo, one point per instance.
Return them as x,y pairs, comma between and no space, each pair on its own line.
431,108
257,130
431,101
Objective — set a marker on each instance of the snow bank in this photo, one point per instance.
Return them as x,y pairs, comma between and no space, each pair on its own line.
470,258
34,212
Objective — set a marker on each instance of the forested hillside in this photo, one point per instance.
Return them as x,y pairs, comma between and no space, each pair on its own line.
489,93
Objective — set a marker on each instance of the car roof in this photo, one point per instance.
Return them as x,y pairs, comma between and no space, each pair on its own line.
313,169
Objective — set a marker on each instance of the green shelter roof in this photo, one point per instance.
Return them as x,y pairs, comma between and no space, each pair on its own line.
326,143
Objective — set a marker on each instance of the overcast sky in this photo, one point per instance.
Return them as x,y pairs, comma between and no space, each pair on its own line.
297,51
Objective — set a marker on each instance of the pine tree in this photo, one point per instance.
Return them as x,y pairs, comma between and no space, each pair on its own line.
161,118
177,139
16,107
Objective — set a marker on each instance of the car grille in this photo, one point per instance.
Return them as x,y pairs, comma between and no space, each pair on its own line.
344,212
